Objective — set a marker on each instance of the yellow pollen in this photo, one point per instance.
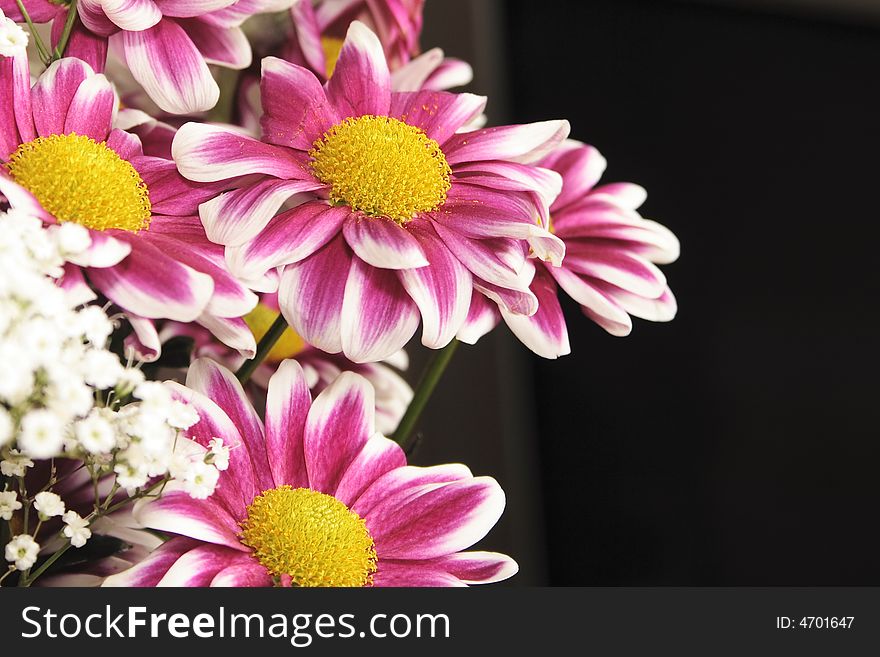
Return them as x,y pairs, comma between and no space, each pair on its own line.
382,167
312,537
260,319
331,47
80,180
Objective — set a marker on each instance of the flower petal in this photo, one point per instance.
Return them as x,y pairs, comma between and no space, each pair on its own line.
483,316
442,291
412,574
383,243
526,143
378,316
361,83
164,60
199,566
53,93
544,332
287,406
478,567
206,153
378,456
406,478
440,114
311,295
176,512
132,15
245,574
223,46
151,570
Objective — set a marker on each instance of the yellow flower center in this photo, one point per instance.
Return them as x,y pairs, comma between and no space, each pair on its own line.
382,167
260,319
331,47
312,537
80,180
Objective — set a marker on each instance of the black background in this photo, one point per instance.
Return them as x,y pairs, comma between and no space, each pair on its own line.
736,445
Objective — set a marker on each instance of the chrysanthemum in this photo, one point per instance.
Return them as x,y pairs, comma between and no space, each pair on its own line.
610,265
403,216
316,498
62,160
167,44
392,393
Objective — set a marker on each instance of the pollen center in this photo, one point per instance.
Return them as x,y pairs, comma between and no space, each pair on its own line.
382,167
311,537
260,319
78,179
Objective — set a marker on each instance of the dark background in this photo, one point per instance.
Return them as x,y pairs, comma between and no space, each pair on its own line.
736,445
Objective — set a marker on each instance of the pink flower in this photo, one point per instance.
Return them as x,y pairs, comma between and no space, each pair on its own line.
63,161
316,498
610,262
167,44
396,217
392,393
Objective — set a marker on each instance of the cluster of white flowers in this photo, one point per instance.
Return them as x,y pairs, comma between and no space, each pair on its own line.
64,394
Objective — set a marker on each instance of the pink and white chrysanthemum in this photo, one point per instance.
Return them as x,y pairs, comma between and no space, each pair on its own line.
61,160
611,259
167,44
397,217
392,393
315,498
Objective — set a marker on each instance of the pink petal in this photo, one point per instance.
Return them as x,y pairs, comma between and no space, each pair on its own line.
408,478
518,143
54,91
104,251
412,574
412,75
340,421
132,15
75,287
151,570
451,73
498,260
287,406
231,331
434,521
478,567
227,47
624,270
581,167
377,457
378,316
438,113
246,574
383,243
170,193
151,284
206,153
92,15
361,83
191,8
19,197
289,237
483,316
176,512
627,195
144,339
598,306
544,332
311,295
219,384
128,147
199,566
442,291
296,111
91,109
164,60
235,217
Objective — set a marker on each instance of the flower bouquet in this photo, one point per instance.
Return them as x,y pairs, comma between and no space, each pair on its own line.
221,224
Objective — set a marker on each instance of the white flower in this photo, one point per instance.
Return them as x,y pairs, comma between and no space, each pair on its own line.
6,426
48,505
23,551
200,479
181,415
95,434
93,323
15,464
13,39
101,369
218,454
130,379
130,477
9,504
76,529
155,395
42,434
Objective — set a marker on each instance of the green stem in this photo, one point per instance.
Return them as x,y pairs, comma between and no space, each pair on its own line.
263,348
38,42
430,378
29,579
65,35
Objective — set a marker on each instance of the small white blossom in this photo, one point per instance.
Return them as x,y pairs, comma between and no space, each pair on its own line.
181,415
72,238
42,434
200,480
48,505
9,504
154,395
15,464
22,551
101,369
95,434
130,379
218,454
13,39
76,529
